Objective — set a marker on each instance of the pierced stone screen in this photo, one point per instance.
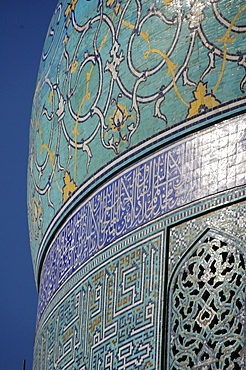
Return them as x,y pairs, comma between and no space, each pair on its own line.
208,309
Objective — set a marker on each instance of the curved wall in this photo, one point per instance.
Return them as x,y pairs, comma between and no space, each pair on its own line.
136,186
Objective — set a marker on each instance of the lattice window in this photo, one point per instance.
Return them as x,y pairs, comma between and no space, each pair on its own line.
207,308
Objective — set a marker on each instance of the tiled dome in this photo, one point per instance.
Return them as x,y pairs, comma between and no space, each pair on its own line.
117,78
137,195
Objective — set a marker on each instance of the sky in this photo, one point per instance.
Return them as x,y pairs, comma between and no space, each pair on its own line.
23,27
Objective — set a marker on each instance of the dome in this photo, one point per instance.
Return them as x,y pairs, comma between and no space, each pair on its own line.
137,186
118,80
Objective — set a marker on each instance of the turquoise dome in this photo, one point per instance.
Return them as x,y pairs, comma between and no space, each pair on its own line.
120,77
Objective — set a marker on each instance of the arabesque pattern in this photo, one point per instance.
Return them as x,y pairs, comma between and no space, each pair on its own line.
116,73
136,186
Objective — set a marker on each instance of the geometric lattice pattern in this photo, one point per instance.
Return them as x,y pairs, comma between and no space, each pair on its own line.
207,329
230,220
110,318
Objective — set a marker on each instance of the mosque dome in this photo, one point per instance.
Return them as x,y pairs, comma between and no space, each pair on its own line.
117,80
137,186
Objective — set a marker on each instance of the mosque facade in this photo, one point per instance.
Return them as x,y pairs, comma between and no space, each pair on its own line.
137,186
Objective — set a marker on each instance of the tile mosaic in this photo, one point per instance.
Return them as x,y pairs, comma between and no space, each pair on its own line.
90,107
108,313
136,184
148,190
